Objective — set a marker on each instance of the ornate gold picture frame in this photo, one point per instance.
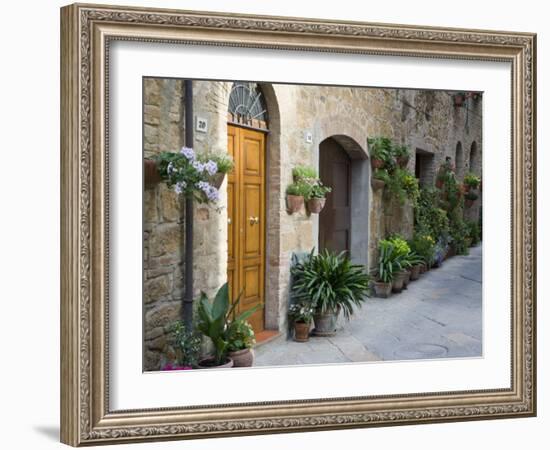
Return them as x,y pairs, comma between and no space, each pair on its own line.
87,31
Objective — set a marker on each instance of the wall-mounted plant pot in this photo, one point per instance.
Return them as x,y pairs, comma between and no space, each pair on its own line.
438,184
150,172
377,184
381,289
301,331
376,163
469,203
458,99
217,179
294,203
316,205
402,161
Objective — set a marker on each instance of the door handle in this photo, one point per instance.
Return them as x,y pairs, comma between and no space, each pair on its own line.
254,220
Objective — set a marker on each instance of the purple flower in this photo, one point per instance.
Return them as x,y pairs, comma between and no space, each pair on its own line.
199,167
189,153
211,167
210,191
180,186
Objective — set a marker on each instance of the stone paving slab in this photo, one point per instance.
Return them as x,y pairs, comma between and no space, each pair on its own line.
438,316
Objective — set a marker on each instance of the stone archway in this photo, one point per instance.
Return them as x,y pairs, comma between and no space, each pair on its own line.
459,161
359,193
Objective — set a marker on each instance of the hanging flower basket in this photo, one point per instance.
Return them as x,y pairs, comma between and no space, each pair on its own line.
316,205
377,163
217,179
294,203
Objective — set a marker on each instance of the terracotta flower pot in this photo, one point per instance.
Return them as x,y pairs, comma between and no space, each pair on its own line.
377,184
301,331
381,289
402,161
415,271
150,172
398,279
325,324
315,205
438,184
458,99
216,180
377,163
208,363
294,203
469,203
242,358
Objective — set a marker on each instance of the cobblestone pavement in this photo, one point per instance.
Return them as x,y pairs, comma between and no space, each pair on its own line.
438,316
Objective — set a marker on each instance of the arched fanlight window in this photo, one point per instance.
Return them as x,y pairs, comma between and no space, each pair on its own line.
247,105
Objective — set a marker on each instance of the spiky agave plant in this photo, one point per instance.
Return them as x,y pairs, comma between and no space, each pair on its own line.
329,282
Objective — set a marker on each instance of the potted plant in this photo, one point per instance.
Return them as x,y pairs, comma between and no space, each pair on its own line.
399,259
295,193
459,98
214,321
185,347
422,245
331,284
224,164
317,197
304,174
384,280
401,154
470,198
471,181
379,178
301,315
380,151
240,340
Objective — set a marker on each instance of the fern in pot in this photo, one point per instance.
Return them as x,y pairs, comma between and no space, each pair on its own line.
332,284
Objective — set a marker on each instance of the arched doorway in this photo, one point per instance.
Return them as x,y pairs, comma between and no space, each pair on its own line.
246,199
459,161
335,218
344,221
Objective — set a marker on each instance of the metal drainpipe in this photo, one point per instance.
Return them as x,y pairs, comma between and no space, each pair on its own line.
187,306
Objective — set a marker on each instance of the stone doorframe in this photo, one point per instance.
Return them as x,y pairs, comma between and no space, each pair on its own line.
346,136
275,281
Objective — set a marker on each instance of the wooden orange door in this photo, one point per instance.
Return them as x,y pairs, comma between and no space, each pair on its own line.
246,220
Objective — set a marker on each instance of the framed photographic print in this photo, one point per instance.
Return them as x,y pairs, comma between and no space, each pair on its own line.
277,224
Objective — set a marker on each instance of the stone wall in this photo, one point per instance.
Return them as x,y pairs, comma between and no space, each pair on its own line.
426,121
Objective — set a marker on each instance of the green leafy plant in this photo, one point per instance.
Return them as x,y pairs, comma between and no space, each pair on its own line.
216,318
424,246
304,173
472,180
298,188
401,151
381,148
410,186
458,231
329,282
318,190
187,344
301,312
382,174
240,335
386,259
474,231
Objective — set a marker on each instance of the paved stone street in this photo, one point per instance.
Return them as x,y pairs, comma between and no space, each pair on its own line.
438,316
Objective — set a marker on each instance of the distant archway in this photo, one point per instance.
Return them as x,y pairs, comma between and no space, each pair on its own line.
474,160
459,161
